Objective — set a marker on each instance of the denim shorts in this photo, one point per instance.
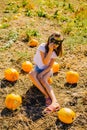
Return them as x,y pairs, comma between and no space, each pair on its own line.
37,69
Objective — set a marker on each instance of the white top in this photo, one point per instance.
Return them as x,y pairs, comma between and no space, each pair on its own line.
37,58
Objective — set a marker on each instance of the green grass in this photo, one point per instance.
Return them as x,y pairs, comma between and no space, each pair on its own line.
4,25
70,16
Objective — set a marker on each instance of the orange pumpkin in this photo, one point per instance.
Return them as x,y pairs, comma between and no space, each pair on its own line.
27,66
50,81
66,115
55,67
33,43
72,77
13,101
11,74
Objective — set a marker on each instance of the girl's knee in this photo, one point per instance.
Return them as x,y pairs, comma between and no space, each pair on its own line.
31,74
45,79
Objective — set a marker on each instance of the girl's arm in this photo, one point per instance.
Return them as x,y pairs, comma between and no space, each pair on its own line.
46,58
47,69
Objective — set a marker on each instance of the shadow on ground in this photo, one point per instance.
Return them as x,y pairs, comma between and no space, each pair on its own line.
7,112
62,126
4,83
33,103
70,85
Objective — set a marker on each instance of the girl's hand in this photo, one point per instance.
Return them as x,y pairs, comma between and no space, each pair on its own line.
51,47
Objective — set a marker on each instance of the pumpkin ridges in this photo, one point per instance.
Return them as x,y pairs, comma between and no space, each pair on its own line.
72,77
13,101
9,101
14,75
11,74
6,103
33,43
16,102
66,115
55,67
27,66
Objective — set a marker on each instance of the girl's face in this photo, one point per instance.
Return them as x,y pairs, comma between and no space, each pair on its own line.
56,43
55,46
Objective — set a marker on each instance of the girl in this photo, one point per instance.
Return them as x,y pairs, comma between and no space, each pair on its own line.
44,59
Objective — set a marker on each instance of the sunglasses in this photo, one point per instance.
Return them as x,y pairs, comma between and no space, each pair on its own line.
56,41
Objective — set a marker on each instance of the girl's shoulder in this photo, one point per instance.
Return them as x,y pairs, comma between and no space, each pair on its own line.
41,47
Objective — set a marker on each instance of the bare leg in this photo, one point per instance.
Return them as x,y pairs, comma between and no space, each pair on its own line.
33,77
54,106
48,88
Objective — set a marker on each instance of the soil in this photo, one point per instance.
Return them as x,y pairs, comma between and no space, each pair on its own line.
29,115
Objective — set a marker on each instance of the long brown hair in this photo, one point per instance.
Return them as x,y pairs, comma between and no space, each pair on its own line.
59,39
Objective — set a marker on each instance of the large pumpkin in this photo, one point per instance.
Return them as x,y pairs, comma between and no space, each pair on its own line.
11,74
27,66
33,43
13,101
72,77
66,115
55,67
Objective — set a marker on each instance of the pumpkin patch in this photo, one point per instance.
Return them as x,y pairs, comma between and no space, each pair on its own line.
20,23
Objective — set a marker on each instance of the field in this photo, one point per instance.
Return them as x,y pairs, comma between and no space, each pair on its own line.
21,20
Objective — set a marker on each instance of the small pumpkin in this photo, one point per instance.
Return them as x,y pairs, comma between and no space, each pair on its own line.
72,77
55,67
33,43
50,81
11,74
27,66
13,101
66,115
